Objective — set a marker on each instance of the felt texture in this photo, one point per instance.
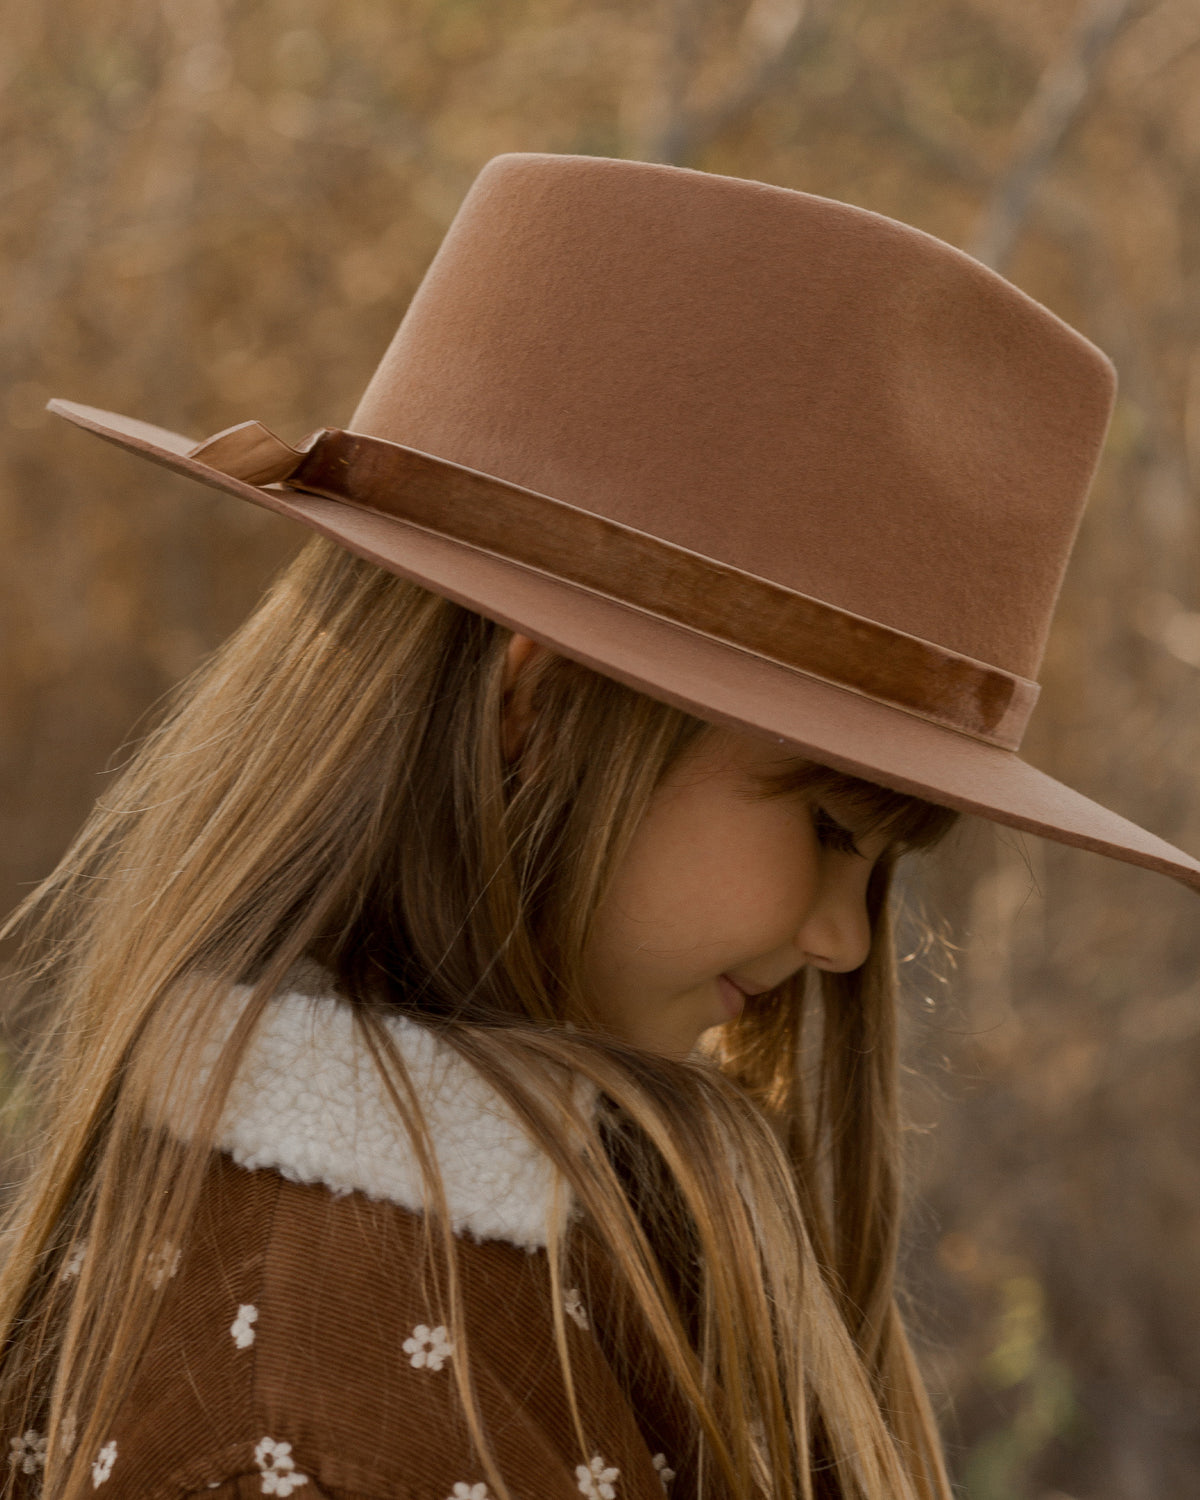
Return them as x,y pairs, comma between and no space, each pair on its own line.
817,394
811,394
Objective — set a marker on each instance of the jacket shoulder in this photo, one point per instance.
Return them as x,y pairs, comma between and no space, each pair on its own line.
303,1350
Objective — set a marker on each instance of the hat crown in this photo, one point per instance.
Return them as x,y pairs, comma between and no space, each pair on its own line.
812,392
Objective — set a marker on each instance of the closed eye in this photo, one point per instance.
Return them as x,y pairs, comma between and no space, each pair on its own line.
833,835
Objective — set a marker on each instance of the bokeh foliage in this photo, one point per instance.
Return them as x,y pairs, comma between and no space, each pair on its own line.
212,210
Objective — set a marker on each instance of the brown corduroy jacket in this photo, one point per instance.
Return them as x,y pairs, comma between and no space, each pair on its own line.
298,1351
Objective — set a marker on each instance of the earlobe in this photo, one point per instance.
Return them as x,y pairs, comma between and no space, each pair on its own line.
517,704
520,648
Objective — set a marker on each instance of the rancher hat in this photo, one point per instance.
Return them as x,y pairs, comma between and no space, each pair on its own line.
787,464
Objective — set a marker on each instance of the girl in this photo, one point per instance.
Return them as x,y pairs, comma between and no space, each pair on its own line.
472,1070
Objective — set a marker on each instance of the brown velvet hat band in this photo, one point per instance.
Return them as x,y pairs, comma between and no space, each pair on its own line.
640,570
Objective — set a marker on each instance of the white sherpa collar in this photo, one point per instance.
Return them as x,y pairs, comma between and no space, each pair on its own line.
308,1101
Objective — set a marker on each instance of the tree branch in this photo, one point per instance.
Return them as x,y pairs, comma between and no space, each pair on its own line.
774,34
1060,96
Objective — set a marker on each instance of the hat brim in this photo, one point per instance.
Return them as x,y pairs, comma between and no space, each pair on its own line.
708,678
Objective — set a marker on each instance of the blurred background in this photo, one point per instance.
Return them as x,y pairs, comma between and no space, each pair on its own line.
212,210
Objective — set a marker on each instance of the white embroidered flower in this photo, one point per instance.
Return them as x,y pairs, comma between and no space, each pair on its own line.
278,1467
103,1465
596,1481
74,1262
68,1431
428,1348
161,1264
243,1334
573,1303
29,1451
469,1492
665,1474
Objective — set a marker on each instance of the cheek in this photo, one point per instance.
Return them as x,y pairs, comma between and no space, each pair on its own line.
717,882
762,875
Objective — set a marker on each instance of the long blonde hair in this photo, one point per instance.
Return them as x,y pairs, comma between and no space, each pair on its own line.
331,787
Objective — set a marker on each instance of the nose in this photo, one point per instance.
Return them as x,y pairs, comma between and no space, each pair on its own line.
836,932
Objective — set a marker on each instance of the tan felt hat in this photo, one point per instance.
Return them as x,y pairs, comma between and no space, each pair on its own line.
792,466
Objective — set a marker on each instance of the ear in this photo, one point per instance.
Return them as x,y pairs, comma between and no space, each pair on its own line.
517,707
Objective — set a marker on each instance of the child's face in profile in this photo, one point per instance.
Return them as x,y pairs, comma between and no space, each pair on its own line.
721,888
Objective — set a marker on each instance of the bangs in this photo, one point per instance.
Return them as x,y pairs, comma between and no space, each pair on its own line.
907,822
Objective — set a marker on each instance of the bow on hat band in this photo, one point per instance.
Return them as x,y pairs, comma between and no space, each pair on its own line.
637,569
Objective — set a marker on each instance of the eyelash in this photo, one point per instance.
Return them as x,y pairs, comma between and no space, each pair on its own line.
832,835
